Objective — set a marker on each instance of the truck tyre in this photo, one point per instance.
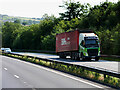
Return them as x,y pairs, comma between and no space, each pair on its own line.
81,58
97,59
64,56
61,55
72,56
76,56
89,59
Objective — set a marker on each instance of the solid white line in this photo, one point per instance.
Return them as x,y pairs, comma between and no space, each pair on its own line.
59,73
16,76
6,69
74,78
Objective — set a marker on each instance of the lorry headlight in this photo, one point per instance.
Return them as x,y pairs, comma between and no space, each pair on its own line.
85,54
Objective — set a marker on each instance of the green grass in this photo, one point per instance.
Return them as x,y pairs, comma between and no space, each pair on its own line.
110,58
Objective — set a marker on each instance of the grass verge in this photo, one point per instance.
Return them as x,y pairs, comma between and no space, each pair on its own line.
110,59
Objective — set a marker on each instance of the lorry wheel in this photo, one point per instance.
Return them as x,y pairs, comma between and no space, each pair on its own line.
76,56
96,59
72,56
61,55
64,56
81,58
89,59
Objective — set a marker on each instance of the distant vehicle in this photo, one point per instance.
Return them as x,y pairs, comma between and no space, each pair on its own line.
78,44
2,49
6,50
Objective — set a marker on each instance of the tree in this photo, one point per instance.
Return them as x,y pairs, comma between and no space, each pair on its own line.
7,33
17,21
74,10
25,23
102,16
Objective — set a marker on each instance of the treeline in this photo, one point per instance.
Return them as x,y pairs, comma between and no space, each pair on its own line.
104,19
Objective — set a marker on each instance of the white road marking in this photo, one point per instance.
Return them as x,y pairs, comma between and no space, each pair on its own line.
33,89
59,73
16,76
66,75
6,69
24,82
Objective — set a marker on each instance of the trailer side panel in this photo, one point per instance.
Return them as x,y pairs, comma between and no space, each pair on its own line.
68,41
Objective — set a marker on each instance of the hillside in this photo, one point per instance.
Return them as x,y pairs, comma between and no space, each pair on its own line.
28,21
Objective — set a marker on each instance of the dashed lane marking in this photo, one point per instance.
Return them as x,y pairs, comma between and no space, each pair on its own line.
5,69
16,76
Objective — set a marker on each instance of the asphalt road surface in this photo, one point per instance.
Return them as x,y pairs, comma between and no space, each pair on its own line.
20,74
101,64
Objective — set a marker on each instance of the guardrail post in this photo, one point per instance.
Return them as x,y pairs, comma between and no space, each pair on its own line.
105,76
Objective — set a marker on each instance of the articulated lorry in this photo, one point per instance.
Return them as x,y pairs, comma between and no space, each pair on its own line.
78,44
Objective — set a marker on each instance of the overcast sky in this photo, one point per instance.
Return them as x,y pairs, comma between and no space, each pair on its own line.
37,8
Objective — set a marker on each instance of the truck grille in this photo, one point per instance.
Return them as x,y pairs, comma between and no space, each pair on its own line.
92,52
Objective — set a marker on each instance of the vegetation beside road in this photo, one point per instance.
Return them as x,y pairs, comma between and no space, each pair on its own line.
110,59
72,69
104,19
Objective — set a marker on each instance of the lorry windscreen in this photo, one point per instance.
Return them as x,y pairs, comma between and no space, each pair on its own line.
91,42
